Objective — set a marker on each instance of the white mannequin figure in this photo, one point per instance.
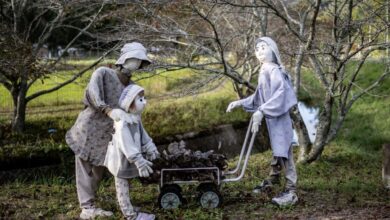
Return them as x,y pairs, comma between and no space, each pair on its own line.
129,65
139,105
132,64
264,53
91,133
124,158
273,98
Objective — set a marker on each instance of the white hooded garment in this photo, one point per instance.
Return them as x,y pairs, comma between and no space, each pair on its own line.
129,141
274,96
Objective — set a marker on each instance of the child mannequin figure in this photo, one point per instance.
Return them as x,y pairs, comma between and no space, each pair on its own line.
273,98
124,158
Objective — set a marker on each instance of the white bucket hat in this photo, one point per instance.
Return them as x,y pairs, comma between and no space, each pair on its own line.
133,50
128,95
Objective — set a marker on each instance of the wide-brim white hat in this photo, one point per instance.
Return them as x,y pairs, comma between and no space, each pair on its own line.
133,50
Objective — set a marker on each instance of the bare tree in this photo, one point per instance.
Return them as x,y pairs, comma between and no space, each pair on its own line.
329,37
330,45
189,31
220,33
217,38
30,25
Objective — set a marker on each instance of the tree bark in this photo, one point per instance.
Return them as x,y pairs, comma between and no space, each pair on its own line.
297,69
264,22
239,90
303,136
20,104
325,119
302,133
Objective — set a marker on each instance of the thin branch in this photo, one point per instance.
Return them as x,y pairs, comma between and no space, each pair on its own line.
79,34
287,13
76,76
376,83
217,39
38,17
285,20
15,27
312,30
82,31
5,83
353,78
46,32
362,47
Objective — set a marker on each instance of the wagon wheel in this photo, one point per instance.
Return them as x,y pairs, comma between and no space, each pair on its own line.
209,196
170,197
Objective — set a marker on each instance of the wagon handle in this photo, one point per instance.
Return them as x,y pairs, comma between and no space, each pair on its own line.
243,149
248,153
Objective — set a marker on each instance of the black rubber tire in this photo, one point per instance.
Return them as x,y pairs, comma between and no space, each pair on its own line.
209,196
170,193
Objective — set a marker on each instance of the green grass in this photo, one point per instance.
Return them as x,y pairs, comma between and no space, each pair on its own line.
69,94
343,179
157,84
344,183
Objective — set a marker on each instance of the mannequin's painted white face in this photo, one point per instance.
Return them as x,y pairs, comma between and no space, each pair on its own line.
132,64
264,52
138,105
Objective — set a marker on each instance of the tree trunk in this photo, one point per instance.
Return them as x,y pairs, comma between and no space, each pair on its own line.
325,119
299,125
264,22
297,70
386,166
319,142
239,90
20,104
302,133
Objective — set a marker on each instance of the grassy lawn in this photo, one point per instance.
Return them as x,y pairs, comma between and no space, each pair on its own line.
345,183
159,84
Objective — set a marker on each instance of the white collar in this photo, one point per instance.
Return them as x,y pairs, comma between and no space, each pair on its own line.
133,118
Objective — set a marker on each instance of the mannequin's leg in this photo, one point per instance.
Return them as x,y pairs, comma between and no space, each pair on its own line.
122,193
87,181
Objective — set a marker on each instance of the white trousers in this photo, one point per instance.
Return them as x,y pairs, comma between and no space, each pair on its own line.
122,194
279,164
88,178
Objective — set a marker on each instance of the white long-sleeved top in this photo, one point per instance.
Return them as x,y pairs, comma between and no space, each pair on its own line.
129,142
274,96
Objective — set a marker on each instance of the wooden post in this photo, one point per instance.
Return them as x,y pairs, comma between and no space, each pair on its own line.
386,166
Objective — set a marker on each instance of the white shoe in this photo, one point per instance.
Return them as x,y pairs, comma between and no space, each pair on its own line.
285,199
94,212
145,216
141,216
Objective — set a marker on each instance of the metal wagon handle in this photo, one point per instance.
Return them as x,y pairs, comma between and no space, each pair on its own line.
248,149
